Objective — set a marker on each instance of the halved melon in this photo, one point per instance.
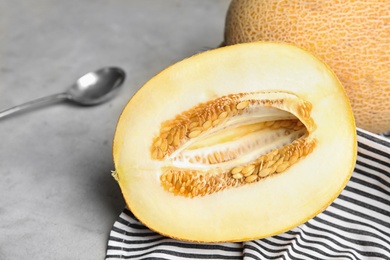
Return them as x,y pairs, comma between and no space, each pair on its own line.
237,143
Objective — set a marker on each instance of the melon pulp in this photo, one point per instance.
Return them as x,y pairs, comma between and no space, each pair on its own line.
352,37
233,144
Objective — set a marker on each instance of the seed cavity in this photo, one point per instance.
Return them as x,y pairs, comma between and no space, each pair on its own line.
232,141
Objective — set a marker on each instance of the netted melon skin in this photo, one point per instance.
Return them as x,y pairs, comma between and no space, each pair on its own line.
352,37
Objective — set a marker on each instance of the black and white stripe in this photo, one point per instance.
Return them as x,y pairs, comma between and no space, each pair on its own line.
355,226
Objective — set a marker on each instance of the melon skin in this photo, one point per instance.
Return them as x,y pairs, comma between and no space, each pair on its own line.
352,37
262,209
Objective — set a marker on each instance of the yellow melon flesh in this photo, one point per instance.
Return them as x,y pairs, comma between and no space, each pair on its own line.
352,37
259,84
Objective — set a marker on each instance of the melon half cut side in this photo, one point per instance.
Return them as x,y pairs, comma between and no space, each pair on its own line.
234,144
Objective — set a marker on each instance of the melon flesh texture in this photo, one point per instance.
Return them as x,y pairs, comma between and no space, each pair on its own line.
266,207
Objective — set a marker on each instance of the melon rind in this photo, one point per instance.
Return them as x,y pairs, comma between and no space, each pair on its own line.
352,37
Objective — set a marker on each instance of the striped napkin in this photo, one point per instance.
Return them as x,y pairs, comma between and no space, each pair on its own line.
355,226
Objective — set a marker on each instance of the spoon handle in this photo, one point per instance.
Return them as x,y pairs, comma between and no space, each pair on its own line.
34,103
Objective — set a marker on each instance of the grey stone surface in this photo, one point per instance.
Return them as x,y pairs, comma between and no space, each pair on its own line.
57,197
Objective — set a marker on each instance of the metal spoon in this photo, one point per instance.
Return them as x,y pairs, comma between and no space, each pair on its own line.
91,89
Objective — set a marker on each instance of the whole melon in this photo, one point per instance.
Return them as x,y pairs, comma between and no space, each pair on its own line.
352,37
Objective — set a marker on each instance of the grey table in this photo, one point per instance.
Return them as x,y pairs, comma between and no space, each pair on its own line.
57,197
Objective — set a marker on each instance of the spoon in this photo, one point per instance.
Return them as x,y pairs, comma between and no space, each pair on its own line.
91,89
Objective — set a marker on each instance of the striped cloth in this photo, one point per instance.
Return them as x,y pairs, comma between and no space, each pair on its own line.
355,226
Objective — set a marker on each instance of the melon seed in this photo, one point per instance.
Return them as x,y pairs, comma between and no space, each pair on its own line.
223,115
194,133
251,178
248,170
237,176
206,125
282,167
236,170
265,172
242,105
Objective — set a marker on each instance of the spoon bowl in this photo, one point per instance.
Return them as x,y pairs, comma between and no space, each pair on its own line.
91,89
96,87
